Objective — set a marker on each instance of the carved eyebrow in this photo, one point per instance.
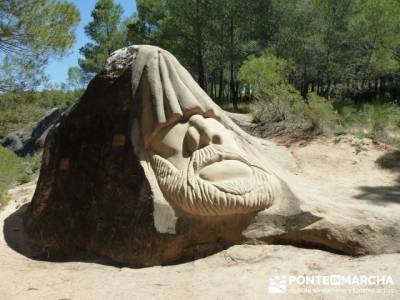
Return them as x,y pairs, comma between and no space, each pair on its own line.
207,114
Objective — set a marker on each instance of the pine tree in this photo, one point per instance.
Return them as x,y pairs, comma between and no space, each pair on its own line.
107,33
30,32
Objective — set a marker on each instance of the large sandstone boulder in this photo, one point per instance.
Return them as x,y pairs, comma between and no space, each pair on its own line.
146,169
16,140
27,143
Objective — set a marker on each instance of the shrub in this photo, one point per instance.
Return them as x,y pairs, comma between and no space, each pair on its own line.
19,110
279,101
266,71
243,107
322,114
378,121
9,171
281,104
56,98
29,166
14,169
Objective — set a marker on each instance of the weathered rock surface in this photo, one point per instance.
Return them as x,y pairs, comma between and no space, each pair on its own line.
15,141
24,143
240,272
93,196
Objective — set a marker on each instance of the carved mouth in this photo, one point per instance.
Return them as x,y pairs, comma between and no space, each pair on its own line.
203,158
222,167
217,181
225,170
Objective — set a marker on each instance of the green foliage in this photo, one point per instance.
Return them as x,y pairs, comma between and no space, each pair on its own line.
51,22
145,25
284,104
76,79
9,170
30,32
243,107
57,98
28,167
338,48
279,101
322,113
376,28
107,33
210,38
262,72
14,169
378,121
19,110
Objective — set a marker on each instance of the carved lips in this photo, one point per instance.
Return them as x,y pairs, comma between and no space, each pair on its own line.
216,182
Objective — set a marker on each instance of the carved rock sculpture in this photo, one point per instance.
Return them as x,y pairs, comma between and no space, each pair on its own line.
146,169
198,159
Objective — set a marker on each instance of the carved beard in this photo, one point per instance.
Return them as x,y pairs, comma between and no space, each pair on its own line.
187,191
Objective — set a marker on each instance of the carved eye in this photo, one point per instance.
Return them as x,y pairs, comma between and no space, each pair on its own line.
216,139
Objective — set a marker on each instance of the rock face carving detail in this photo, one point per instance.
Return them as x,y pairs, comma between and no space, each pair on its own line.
201,165
147,170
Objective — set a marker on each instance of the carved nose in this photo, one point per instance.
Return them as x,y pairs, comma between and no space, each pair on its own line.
208,136
202,133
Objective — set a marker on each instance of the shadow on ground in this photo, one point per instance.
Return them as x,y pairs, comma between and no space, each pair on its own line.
16,239
384,194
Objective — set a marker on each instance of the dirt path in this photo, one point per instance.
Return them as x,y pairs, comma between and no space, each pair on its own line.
344,160
241,272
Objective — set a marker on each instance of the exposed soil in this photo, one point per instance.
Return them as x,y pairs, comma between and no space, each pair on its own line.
240,272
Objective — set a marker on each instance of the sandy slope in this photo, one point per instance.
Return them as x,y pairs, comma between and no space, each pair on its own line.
241,272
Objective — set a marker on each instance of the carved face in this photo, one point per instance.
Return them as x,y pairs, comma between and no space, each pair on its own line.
202,170
200,159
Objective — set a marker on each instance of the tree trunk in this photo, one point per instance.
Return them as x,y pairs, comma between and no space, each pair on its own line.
215,88
304,83
221,85
232,79
232,92
199,50
328,89
238,95
319,87
382,88
211,92
200,69
304,90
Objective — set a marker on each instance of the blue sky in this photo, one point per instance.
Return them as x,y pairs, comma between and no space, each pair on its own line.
57,69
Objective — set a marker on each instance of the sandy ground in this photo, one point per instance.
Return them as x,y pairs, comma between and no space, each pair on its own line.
240,272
